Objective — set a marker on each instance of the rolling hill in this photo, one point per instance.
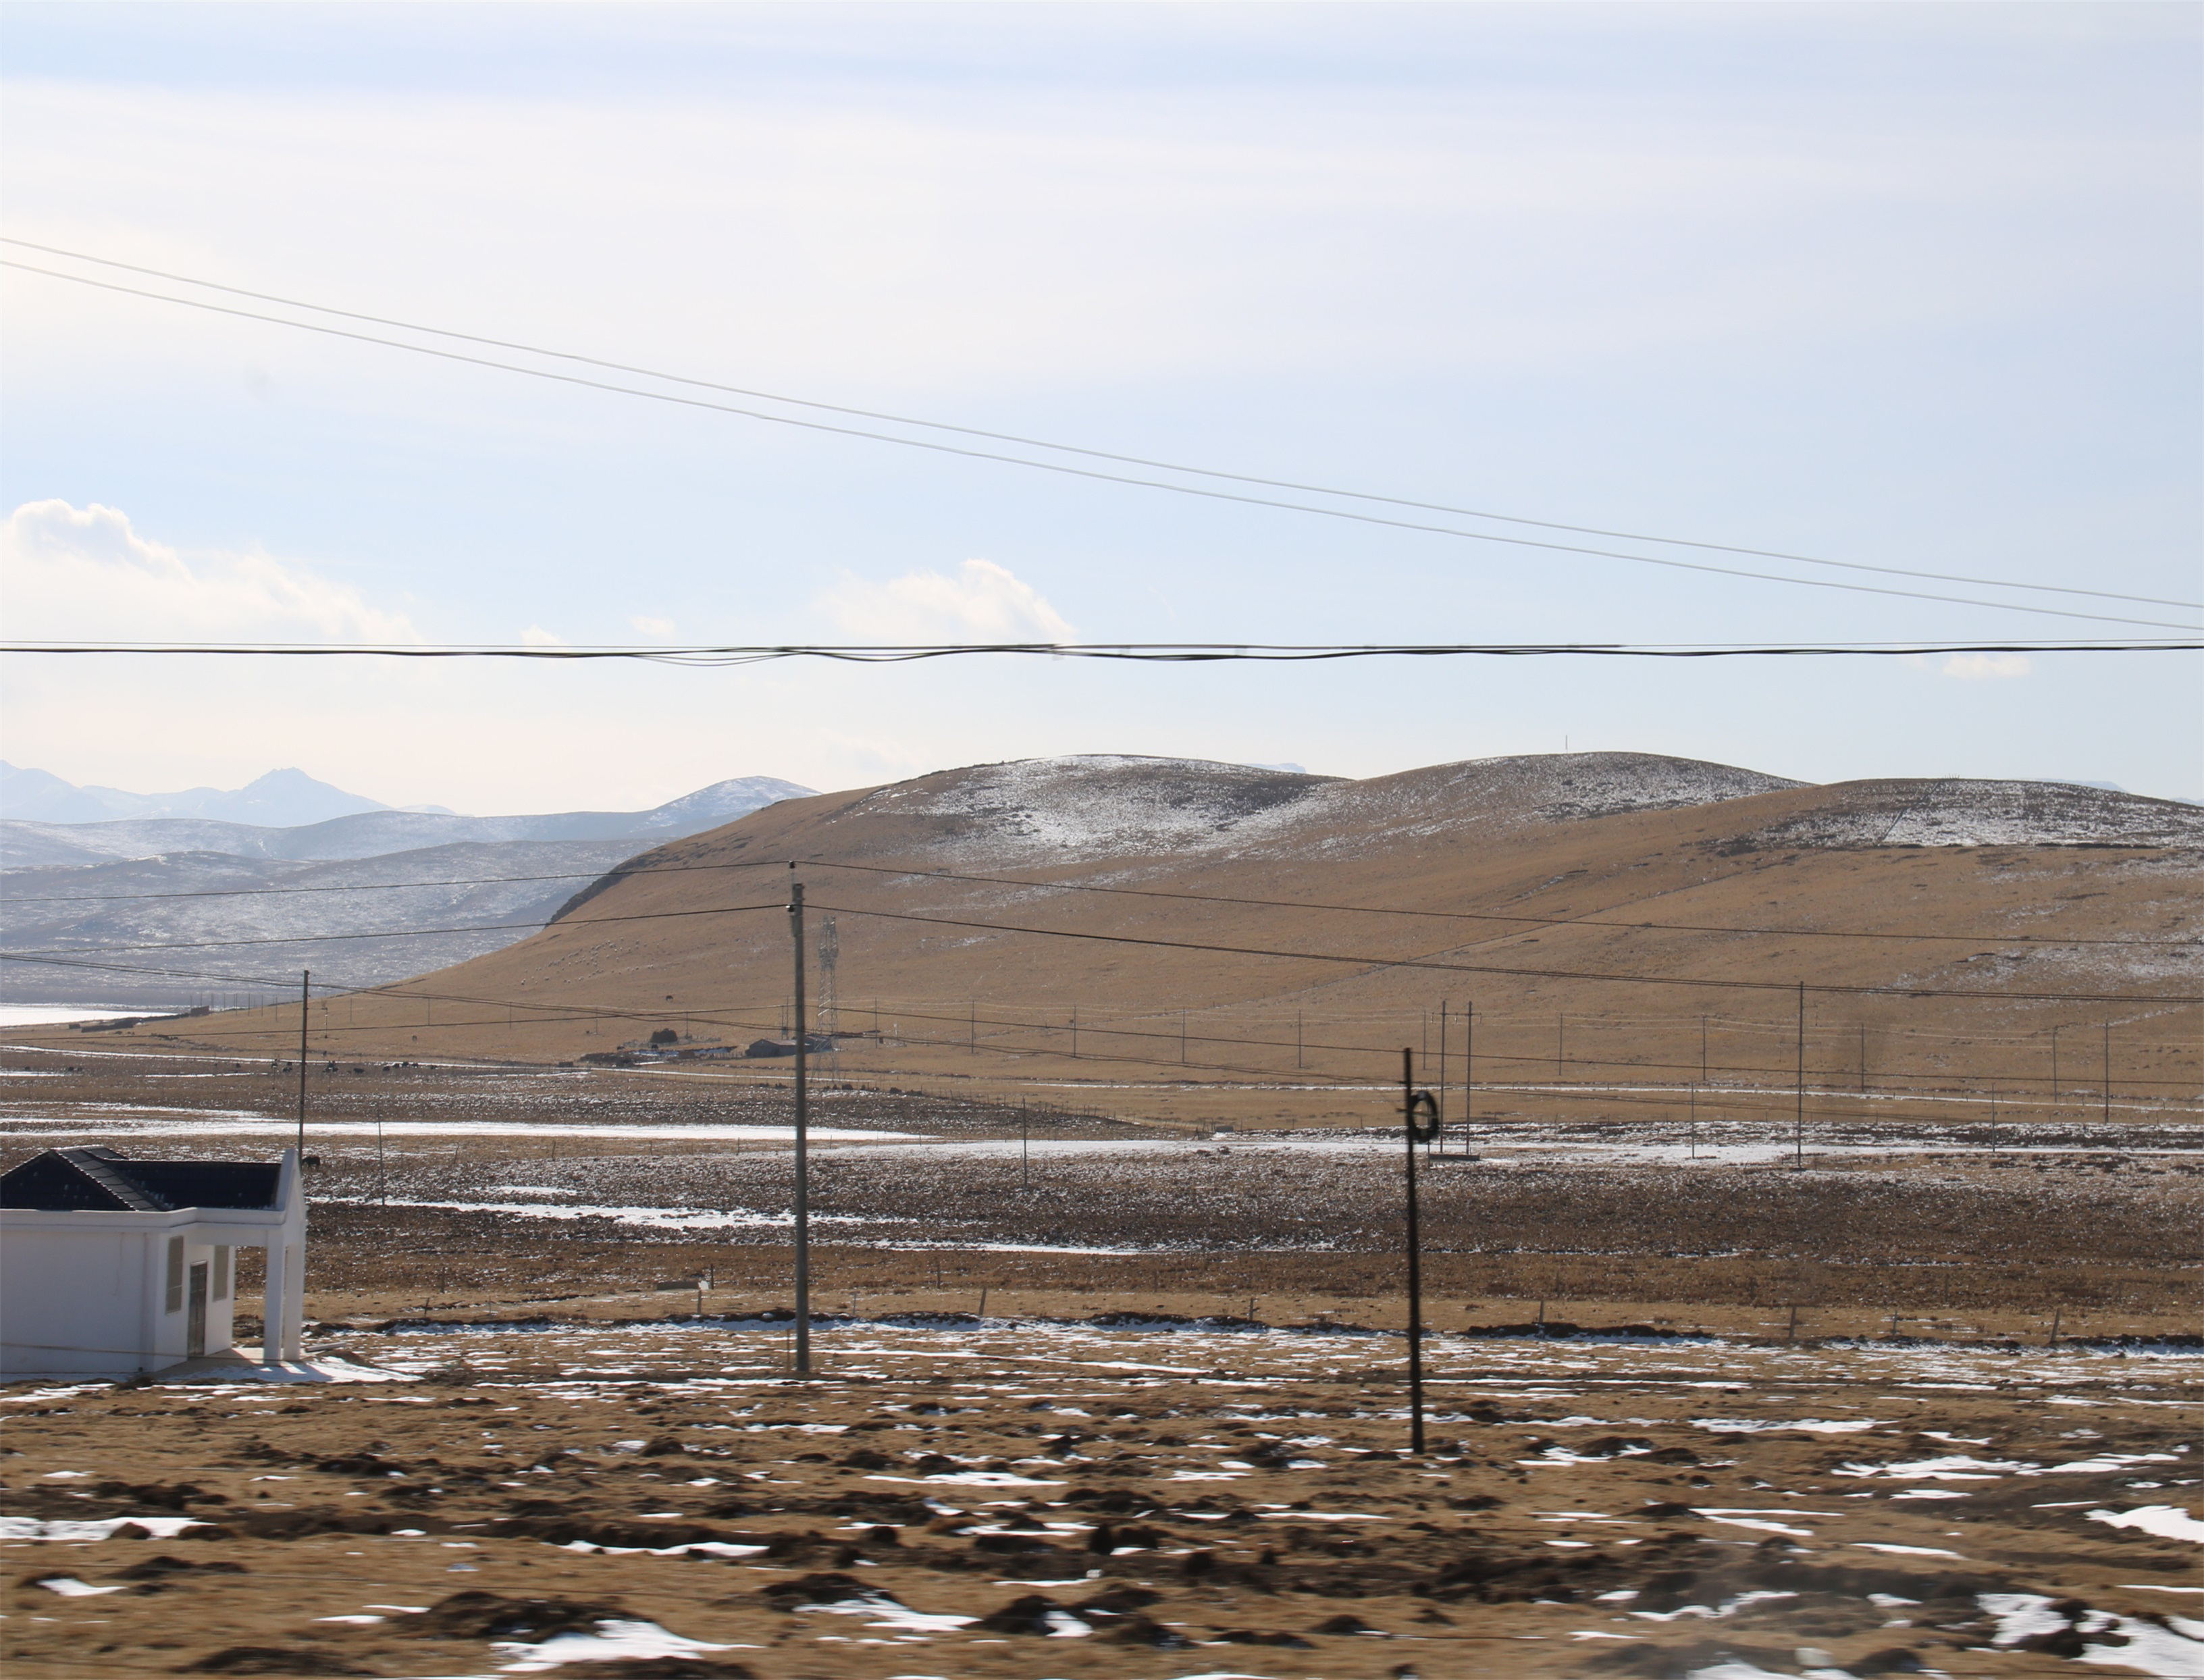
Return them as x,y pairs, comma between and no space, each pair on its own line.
1600,911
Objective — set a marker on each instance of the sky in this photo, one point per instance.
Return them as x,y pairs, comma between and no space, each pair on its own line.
1913,287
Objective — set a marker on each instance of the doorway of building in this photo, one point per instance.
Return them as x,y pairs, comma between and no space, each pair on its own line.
195,1314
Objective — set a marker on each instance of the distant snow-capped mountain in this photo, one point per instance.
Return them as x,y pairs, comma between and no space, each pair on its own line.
281,799
87,886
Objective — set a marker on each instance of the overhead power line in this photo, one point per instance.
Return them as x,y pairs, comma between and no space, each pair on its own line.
757,1017
1164,653
387,934
1067,448
1366,961
1073,886
1123,478
1478,915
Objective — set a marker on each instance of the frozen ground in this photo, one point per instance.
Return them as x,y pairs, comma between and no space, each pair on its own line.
1008,1500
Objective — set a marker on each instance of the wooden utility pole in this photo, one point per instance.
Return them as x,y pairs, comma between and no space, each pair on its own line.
1438,1086
1468,1070
2108,1072
1798,1125
802,1143
1409,1105
305,993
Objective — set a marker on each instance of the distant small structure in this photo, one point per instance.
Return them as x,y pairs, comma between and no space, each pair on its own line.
111,1267
818,1044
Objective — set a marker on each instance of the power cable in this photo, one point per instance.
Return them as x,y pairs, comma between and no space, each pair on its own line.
1362,960
1822,987
1077,472
1043,443
390,934
716,657
558,1014
1473,915
1065,886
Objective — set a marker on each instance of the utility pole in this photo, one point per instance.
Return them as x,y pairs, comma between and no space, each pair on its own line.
1414,1104
1695,1123
1182,1037
1298,1063
305,992
2054,1069
1560,1042
1075,1032
802,1142
1863,1058
1438,1089
1468,1070
1798,1127
1025,1147
2108,1072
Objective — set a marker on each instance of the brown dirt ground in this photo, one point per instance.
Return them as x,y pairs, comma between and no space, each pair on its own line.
1167,1492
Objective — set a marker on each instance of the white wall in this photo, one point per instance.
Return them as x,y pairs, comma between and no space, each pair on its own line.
84,1291
92,1302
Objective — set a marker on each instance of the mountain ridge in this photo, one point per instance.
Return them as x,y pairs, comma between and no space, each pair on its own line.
374,833
282,798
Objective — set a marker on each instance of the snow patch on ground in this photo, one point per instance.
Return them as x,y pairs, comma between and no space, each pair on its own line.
2167,1521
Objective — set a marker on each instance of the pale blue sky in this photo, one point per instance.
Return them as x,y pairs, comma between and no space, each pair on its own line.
1911,285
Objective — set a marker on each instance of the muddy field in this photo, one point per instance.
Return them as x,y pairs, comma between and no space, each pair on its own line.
501,1186
1014,1499
1098,1399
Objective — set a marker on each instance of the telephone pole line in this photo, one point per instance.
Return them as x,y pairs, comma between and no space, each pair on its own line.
1798,1126
305,992
802,1142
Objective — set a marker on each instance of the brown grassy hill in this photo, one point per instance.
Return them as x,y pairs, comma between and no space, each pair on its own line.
1614,918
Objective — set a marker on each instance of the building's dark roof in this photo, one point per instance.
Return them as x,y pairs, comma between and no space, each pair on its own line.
67,1181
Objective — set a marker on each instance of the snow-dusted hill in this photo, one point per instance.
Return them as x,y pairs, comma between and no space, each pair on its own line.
1073,809
114,893
375,833
181,907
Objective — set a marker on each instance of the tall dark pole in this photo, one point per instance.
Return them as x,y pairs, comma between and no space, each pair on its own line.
1438,1087
1798,1126
1415,1259
2108,1072
305,991
1468,1070
802,1144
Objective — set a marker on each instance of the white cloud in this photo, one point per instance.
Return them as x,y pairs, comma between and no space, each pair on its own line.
536,636
658,629
85,574
1979,667
984,602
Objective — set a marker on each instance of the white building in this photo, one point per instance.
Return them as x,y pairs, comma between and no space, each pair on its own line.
111,1266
